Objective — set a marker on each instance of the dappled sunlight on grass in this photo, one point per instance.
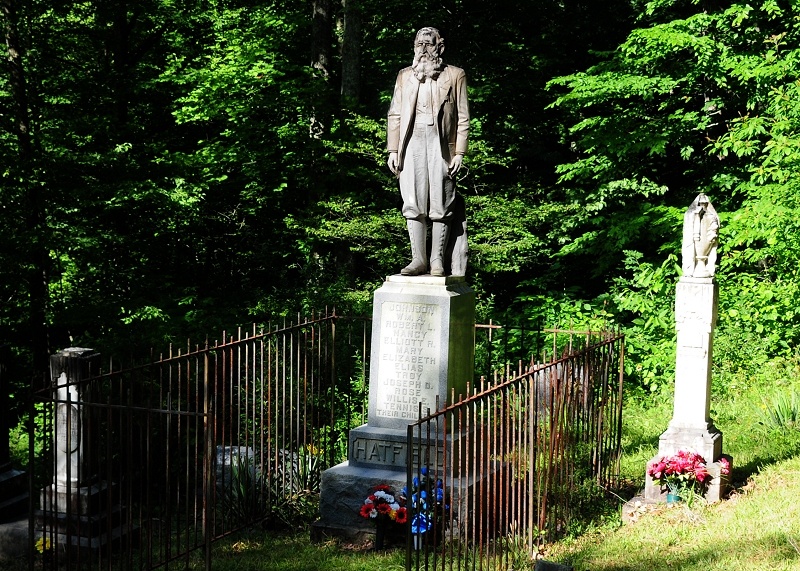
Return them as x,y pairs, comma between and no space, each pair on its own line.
757,528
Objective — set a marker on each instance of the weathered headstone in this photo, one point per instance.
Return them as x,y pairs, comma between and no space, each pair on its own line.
696,299
68,368
76,507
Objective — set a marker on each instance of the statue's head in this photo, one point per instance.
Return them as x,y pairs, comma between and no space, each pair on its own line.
428,49
430,40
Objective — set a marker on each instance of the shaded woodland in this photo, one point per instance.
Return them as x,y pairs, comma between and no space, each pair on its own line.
170,168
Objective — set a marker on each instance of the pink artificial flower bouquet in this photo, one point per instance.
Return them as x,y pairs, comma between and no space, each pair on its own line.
683,470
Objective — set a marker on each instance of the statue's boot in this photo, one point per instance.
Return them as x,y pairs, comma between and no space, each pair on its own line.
439,236
417,231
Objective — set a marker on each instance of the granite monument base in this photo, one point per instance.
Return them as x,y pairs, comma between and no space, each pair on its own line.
422,357
345,487
86,518
705,439
343,491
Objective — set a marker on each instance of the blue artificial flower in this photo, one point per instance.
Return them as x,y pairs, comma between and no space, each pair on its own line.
424,470
423,494
419,524
439,494
415,481
439,483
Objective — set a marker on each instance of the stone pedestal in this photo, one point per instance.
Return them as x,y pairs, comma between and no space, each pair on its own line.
691,427
77,511
89,518
423,343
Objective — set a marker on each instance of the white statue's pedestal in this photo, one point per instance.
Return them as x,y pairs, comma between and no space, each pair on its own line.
691,427
423,343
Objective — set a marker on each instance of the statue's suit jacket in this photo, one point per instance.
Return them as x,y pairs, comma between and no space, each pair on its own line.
450,102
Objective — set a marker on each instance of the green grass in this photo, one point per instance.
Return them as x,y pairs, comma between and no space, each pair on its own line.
758,527
263,551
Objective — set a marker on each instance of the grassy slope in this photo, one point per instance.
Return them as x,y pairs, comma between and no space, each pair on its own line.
758,527
265,552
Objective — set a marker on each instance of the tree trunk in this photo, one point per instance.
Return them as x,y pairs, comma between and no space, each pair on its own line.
18,85
351,53
120,50
35,255
321,61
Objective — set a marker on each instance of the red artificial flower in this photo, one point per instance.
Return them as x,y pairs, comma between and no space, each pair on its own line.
383,509
402,515
366,510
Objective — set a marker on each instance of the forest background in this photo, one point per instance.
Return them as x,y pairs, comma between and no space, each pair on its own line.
170,168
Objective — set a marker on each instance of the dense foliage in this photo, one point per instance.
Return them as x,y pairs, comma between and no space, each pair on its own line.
170,167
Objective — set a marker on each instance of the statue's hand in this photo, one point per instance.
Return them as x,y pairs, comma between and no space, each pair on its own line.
392,163
455,165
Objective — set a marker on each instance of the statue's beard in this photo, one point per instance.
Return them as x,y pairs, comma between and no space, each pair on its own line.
427,67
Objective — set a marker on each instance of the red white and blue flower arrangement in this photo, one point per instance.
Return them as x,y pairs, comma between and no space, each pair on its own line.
427,505
382,504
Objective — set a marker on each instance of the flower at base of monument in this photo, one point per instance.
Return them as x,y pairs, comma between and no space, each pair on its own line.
43,544
382,503
420,524
678,471
724,466
428,503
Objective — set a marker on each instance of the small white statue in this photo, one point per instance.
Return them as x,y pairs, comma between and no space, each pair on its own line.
700,237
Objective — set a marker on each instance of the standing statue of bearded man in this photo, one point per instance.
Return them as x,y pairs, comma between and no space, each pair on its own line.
426,135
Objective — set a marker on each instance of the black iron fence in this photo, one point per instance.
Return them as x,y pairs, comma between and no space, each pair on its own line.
512,465
143,467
